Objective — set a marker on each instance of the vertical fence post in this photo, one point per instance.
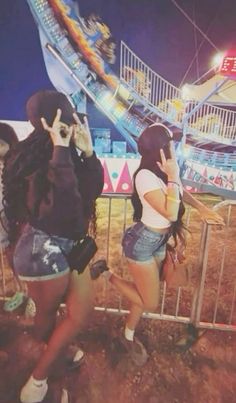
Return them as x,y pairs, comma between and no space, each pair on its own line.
202,264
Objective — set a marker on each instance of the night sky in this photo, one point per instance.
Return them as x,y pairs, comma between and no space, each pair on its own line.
154,29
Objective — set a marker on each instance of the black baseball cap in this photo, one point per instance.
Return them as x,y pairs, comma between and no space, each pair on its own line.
45,103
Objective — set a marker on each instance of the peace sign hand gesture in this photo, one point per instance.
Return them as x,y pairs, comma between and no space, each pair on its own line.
82,136
169,166
60,133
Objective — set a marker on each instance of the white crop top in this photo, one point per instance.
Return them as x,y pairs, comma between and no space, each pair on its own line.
146,181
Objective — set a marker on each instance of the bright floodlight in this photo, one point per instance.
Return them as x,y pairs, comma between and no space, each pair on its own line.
217,59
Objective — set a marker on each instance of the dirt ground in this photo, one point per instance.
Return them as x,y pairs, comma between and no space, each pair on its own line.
205,372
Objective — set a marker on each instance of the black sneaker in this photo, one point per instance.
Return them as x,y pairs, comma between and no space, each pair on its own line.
136,350
97,268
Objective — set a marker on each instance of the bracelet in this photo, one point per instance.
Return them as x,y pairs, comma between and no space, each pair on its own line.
173,199
171,184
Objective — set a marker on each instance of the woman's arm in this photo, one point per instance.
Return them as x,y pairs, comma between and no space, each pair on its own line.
88,167
82,136
62,193
207,214
167,204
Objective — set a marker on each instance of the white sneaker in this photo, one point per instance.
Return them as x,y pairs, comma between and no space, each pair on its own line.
33,391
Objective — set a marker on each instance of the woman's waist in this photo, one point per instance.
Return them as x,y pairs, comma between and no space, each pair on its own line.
164,230
156,222
57,229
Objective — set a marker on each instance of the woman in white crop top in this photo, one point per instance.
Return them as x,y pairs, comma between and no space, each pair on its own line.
158,211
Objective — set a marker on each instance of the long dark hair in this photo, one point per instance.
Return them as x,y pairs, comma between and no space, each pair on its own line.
8,134
28,157
152,140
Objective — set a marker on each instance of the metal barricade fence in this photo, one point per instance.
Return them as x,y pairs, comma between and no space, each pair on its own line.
209,299
215,296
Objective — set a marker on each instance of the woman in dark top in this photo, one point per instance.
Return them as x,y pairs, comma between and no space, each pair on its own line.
51,182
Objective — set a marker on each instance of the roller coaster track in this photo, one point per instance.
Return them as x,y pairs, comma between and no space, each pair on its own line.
135,99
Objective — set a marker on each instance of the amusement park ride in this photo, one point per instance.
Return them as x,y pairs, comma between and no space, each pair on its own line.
78,53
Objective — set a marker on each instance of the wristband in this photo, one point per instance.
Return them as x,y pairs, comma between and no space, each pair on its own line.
172,184
173,199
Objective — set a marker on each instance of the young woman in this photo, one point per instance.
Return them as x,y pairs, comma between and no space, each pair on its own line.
158,210
51,181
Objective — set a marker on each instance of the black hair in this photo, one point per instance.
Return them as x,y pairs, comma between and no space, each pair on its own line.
8,134
152,140
31,155
27,157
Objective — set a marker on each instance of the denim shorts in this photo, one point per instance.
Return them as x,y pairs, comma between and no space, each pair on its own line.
39,256
142,244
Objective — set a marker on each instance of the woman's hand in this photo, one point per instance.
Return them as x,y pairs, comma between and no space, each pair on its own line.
169,166
60,133
82,136
206,214
210,216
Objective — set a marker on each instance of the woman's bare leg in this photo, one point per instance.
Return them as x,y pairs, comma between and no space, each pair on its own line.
128,289
143,294
78,303
47,296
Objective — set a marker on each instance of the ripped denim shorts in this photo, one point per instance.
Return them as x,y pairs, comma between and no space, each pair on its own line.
142,244
39,256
